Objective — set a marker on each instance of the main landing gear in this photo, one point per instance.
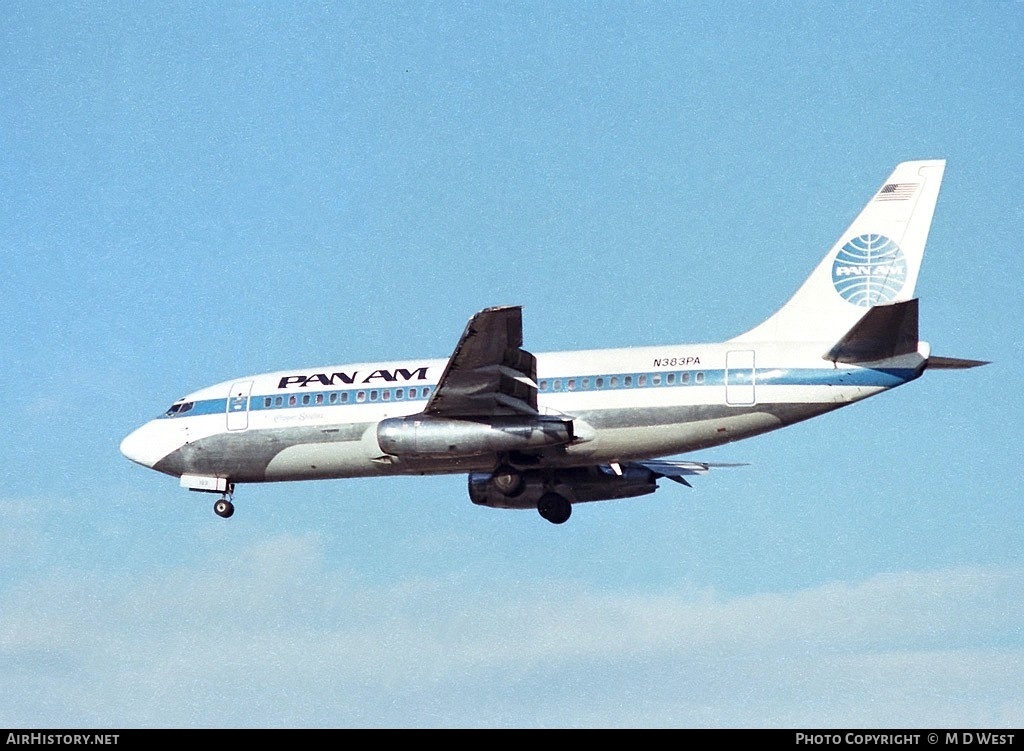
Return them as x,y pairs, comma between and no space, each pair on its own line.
555,508
513,478
223,507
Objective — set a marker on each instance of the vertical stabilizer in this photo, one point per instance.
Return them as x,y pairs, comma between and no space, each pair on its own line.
875,262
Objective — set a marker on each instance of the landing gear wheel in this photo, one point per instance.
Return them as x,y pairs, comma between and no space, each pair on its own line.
224,508
508,481
555,508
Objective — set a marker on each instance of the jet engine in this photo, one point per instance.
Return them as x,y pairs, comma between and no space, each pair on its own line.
575,484
424,435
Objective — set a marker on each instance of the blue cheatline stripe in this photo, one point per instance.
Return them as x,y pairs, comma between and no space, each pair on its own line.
878,378
884,377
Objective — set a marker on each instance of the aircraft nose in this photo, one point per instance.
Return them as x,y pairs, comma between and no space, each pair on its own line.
138,446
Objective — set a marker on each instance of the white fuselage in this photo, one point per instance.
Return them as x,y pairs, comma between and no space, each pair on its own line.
626,404
550,430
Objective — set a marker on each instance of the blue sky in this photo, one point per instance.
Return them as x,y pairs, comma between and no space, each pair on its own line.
194,192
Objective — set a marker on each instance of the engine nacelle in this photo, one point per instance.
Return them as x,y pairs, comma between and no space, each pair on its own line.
577,484
423,435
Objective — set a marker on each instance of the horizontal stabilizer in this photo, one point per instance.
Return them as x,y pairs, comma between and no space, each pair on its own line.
884,331
954,363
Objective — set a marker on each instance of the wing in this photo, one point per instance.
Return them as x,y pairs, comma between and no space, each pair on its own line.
489,372
679,470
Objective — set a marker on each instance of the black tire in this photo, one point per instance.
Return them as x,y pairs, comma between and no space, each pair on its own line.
224,508
555,508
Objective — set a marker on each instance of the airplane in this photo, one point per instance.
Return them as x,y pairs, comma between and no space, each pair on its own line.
552,430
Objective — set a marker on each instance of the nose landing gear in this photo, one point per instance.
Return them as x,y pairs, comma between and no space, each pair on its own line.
223,507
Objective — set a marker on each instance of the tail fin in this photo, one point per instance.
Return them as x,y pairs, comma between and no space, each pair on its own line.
876,261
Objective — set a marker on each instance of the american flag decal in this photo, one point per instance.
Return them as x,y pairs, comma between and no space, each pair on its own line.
896,191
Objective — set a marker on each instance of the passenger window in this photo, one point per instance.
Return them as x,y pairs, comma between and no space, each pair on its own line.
586,384
686,378
305,398
344,398
615,382
319,398
599,382
670,378
572,384
642,380
627,381
278,401
656,379
558,386
334,397
399,393
292,401
386,394
360,396
542,386
700,378
373,395
267,401
412,393
426,391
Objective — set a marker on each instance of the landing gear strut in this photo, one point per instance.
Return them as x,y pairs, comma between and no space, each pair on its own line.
223,507
555,508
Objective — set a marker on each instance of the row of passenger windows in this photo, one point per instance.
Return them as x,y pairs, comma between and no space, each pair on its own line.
586,383
347,397
633,380
547,385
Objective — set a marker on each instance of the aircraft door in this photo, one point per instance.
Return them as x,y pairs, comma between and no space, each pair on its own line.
238,405
739,377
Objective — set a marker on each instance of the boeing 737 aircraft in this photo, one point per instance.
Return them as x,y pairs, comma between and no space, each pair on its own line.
551,430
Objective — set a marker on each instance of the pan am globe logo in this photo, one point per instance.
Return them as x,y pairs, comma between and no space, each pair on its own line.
869,270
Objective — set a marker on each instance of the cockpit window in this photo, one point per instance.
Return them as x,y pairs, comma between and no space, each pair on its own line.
179,408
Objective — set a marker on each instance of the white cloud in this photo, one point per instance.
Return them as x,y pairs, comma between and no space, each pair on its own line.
271,636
